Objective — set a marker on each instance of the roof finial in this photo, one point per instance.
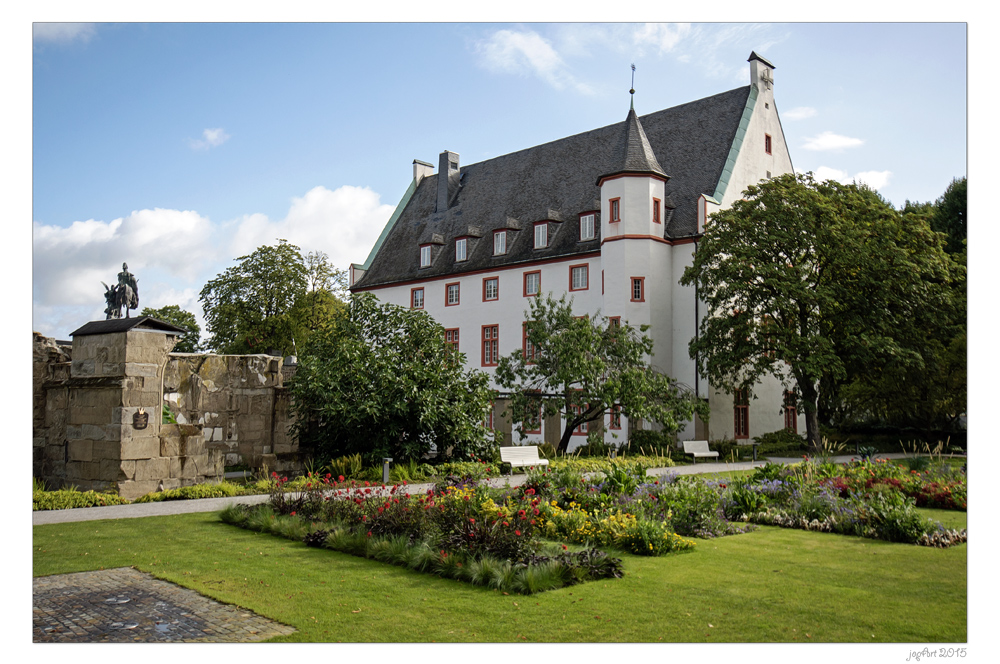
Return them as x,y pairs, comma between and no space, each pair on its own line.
632,89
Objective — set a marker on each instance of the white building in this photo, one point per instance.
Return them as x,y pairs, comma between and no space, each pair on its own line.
611,217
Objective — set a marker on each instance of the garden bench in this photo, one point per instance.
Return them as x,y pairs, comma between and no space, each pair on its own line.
699,448
522,455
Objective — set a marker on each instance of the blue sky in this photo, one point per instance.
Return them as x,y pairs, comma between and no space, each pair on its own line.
177,147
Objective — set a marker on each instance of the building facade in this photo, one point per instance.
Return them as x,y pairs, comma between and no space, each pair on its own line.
609,217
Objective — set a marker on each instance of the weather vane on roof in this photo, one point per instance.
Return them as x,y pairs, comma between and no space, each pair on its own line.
632,89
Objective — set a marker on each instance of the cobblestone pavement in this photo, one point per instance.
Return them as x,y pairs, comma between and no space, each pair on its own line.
125,605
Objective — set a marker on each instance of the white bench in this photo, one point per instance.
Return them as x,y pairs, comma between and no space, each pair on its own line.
698,449
522,455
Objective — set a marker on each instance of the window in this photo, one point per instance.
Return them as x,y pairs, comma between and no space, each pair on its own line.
488,420
541,235
656,210
638,289
452,295
587,227
491,340
767,143
491,288
616,209
460,245
532,283
581,430
791,412
451,338
425,255
614,323
416,298
578,277
499,243
615,420
529,350
741,414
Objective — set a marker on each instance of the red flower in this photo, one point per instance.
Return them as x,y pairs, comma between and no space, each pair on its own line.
340,478
505,523
517,532
369,533
472,520
292,514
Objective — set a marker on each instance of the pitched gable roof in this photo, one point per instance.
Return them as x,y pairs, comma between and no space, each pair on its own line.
125,324
557,181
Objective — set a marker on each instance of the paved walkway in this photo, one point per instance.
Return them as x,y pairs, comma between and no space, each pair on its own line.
168,507
124,605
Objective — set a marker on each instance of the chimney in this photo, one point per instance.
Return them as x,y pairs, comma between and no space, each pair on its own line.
447,179
421,169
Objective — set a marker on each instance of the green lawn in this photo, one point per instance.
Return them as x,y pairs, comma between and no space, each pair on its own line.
772,585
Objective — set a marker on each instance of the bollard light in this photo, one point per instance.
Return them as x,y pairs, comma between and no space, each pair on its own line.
614,453
385,469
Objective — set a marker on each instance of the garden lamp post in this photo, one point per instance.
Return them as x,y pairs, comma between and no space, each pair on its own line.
385,469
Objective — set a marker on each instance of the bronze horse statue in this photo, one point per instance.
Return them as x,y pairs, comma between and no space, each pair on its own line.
123,295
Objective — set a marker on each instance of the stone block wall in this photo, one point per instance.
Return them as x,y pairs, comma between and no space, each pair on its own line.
229,409
241,403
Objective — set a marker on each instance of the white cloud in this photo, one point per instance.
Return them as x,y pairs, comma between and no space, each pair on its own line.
174,253
877,180
800,113
62,33
663,36
211,138
828,140
527,53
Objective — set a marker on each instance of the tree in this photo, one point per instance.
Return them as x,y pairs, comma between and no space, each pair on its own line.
950,213
379,380
581,368
326,288
248,308
814,283
173,314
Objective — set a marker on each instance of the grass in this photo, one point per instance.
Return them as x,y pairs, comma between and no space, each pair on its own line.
772,585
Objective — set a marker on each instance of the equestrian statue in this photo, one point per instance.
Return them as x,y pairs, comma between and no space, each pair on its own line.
124,294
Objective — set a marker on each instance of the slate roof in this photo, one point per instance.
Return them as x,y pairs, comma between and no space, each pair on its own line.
126,324
557,181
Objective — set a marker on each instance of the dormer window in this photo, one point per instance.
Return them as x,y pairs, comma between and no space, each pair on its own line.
541,235
616,209
460,247
425,255
500,243
587,227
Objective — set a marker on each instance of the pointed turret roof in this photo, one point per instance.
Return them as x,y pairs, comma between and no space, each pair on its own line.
634,155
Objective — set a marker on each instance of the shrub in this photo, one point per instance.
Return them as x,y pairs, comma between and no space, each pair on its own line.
72,498
212,490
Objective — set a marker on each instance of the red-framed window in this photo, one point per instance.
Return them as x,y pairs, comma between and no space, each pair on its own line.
491,345
656,211
581,430
416,298
741,414
499,243
491,289
791,412
579,277
528,349
616,210
451,338
452,294
461,249
532,283
541,235
488,420
615,418
425,255
638,289
767,143
587,230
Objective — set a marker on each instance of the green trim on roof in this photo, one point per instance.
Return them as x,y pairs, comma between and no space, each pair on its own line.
734,150
389,224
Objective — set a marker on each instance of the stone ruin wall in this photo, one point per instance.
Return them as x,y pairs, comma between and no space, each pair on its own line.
229,410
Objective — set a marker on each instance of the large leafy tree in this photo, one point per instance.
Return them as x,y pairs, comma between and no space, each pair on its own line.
326,289
172,313
815,283
249,307
379,380
581,368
